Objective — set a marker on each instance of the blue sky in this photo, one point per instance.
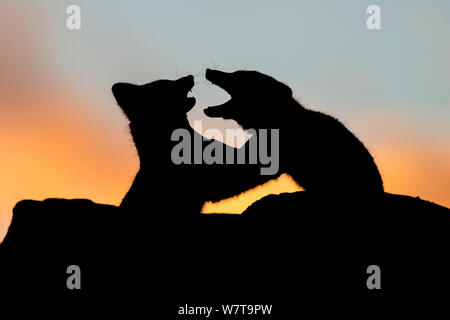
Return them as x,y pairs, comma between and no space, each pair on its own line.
322,49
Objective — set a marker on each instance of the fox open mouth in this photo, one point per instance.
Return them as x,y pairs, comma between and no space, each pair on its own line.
221,80
190,102
220,111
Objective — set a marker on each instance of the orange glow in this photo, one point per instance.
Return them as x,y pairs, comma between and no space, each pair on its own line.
61,153
239,203
417,170
54,141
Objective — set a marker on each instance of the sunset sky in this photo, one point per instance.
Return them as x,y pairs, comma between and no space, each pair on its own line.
63,135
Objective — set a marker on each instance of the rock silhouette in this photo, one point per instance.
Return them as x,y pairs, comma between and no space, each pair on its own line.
318,151
45,237
304,242
156,252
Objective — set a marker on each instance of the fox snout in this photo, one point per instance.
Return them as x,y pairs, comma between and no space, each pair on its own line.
220,78
186,83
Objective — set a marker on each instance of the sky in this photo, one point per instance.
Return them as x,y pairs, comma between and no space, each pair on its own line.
63,135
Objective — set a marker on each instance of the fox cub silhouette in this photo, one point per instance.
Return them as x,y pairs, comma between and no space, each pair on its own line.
318,151
155,110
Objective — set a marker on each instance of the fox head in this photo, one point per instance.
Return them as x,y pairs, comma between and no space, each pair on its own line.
155,108
253,96
154,98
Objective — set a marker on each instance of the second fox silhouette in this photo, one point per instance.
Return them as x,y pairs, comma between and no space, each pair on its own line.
155,110
318,151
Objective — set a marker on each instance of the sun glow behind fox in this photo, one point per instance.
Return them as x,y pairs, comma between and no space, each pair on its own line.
239,203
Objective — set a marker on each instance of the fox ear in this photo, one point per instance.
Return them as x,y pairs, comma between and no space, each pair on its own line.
125,94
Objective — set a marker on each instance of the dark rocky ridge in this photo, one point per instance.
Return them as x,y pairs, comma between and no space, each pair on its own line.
302,240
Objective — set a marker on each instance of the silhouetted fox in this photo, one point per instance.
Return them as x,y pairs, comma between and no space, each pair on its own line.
318,151
155,110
